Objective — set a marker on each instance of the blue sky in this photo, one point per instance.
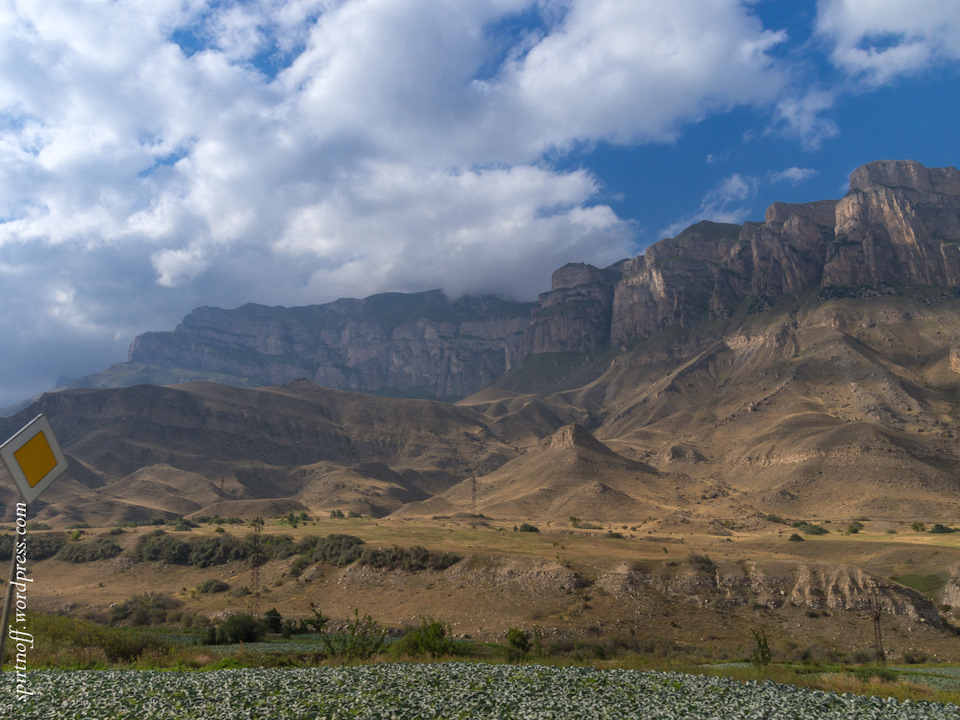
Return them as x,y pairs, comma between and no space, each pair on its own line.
157,155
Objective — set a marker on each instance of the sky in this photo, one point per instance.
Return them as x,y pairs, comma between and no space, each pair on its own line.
159,155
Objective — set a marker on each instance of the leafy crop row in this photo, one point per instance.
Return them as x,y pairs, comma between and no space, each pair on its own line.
451,690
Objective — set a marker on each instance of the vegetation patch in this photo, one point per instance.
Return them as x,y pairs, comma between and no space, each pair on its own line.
920,583
88,551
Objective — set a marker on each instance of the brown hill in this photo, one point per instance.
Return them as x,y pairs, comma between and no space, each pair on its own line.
145,451
570,473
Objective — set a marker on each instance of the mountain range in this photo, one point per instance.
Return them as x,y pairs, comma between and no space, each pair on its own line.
807,366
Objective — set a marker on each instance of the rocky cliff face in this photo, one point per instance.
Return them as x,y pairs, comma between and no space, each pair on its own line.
898,226
419,343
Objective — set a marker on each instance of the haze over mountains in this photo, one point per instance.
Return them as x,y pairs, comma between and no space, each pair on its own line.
805,366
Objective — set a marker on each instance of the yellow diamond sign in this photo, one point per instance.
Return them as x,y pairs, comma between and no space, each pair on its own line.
33,458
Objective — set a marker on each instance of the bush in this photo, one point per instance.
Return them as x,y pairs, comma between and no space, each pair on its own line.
527,527
938,528
703,563
118,644
217,551
237,628
212,586
39,547
273,620
183,525
81,552
432,638
518,644
809,528
160,547
412,559
145,609
918,526
761,654
240,592
795,538
362,639
339,550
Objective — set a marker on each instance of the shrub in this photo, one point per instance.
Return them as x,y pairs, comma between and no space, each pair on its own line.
81,552
239,628
795,538
145,609
518,644
217,551
39,547
118,644
701,562
298,566
939,528
362,639
337,514
212,586
339,550
761,654
240,592
273,620
809,528
432,637
183,525
918,526
412,559
527,527
160,547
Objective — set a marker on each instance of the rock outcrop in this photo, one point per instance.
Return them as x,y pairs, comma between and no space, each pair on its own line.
416,344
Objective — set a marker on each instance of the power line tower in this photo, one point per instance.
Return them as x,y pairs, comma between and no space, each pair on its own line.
876,609
473,501
220,500
256,560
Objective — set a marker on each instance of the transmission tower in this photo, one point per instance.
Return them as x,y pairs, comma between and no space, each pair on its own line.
876,609
473,500
256,559
220,501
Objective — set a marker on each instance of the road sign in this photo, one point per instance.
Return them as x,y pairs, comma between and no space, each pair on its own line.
33,458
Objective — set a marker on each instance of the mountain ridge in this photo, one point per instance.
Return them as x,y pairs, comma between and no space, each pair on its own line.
899,225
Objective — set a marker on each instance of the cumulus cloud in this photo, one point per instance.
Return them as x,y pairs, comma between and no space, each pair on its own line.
185,153
879,40
793,175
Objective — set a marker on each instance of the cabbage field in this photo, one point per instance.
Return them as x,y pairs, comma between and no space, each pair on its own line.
448,690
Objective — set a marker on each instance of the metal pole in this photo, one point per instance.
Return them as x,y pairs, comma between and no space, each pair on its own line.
9,600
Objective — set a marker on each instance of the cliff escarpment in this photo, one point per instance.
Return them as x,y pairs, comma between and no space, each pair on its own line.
898,226
419,344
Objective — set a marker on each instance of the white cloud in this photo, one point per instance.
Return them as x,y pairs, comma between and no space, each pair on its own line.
294,151
879,40
393,227
635,71
801,117
727,202
794,175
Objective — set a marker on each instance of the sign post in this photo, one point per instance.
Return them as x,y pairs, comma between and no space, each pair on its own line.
34,459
